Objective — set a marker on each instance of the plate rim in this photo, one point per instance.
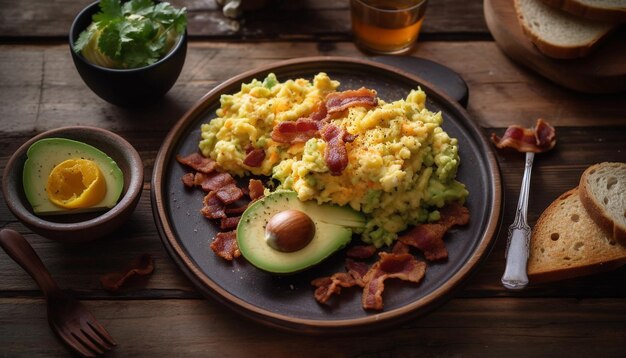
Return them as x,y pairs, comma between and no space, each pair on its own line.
301,325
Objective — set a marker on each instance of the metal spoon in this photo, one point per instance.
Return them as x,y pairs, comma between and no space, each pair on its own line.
517,246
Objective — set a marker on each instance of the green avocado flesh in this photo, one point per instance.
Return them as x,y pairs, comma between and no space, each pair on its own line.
45,154
333,230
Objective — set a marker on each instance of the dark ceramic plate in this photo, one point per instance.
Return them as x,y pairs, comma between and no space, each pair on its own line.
287,302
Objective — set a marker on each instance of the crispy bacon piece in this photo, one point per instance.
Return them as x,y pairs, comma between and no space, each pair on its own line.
256,189
228,194
539,139
254,158
403,266
361,251
188,180
237,210
320,114
303,129
213,207
429,237
454,214
400,248
298,131
139,266
225,245
229,223
357,270
335,154
198,162
340,101
213,181
328,286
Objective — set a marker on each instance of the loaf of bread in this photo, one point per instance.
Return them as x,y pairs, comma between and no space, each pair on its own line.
603,193
600,10
559,34
567,243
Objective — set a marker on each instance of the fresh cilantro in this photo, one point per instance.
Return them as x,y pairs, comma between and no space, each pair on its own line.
109,10
134,34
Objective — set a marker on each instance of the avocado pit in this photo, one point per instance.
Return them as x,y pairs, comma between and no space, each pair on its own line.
289,231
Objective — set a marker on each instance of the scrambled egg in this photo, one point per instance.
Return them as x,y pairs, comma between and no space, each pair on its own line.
402,165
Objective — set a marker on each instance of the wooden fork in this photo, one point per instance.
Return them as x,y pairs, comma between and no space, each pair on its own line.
68,318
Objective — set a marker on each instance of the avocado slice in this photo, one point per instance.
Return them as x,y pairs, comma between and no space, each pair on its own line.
333,230
47,153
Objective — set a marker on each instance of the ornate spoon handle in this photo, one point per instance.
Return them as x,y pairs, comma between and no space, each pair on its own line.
515,277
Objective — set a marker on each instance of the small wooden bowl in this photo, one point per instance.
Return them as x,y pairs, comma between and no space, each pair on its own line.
72,228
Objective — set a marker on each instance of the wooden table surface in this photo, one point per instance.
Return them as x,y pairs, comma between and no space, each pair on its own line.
165,316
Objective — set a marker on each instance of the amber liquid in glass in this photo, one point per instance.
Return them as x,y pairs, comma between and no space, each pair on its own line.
387,26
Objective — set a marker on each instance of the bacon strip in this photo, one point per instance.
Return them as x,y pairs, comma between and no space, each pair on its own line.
213,181
254,158
335,154
340,101
256,189
213,207
361,251
188,180
539,139
429,237
299,131
237,210
328,286
320,114
229,223
357,270
198,162
402,266
225,245
139,266
303,129
229,194
400,248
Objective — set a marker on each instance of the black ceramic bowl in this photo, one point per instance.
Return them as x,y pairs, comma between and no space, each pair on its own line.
127,87
85,226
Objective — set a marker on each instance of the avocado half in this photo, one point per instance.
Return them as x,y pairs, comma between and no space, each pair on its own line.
333,231
47,153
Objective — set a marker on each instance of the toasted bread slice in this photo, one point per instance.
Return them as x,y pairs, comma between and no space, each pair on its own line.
558,34
600,10
603,193
567,243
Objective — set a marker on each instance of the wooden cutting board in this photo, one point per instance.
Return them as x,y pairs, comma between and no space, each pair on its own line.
602,71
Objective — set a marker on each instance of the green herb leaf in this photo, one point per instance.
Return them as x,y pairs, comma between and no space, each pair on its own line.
137,7
109,10
136,33
83,39
109,42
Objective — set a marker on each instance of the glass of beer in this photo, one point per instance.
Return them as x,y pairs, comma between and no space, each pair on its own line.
387,26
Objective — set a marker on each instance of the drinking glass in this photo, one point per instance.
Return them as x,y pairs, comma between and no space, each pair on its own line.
387,26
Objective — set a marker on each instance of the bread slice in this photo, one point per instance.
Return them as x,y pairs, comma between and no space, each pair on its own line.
603,193
567,243
601,10
558,34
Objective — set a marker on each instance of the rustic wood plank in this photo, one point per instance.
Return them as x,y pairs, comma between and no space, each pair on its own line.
467,327
78,268
41,89
304,19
